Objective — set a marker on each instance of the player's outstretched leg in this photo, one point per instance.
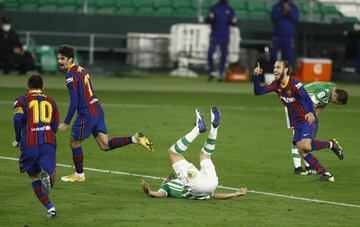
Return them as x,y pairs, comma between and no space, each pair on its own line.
332,144
182,144
337,149
138,138
209,146
43,197
315,164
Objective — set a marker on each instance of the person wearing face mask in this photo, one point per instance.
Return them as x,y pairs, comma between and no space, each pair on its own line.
220,17
11,53
284,15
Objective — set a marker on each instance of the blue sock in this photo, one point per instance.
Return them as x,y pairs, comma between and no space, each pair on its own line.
314,163
78,159
42,197
119,142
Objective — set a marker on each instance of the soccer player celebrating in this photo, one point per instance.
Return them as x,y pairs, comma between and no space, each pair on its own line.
192,183
90,115
321,94
301,114
36,120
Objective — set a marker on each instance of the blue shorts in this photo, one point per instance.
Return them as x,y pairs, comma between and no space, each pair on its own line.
85,125
305,131
42,157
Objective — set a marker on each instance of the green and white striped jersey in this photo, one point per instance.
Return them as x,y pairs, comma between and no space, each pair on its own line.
320,93
175,188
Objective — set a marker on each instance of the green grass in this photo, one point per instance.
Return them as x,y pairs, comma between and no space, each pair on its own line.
253,150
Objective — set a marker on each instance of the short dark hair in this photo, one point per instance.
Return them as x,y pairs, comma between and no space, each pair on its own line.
342,96
66,50
6,20
35,82
286,65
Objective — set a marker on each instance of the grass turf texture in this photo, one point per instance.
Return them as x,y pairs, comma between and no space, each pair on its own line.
253,150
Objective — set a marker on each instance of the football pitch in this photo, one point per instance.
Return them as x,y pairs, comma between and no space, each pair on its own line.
253,150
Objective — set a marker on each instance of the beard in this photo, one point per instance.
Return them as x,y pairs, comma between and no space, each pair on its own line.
282,75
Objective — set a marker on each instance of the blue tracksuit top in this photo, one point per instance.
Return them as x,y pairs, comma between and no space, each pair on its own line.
284,24
220,24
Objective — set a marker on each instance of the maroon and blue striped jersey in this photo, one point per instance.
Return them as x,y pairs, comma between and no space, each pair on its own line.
293,95
82,95
36,119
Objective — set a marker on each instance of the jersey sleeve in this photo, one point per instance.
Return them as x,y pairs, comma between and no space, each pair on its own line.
18,117
260,90
304,98
55,120
73,92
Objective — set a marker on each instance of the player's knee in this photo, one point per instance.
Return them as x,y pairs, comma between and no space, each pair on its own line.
305,146
75,143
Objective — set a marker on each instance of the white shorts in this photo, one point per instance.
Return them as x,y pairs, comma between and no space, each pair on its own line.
204,180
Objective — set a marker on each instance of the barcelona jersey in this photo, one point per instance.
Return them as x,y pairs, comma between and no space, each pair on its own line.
36,119
82,96
292,95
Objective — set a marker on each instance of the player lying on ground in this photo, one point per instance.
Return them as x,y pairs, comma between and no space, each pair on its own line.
321,94
301,114
90,116
192,183
36,120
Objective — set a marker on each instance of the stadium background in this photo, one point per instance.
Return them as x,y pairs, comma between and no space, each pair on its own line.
253,147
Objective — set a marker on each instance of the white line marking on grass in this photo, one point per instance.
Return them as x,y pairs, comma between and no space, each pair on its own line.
220,186
240,108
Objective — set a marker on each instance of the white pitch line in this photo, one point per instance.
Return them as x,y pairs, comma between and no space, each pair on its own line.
240,108
220,186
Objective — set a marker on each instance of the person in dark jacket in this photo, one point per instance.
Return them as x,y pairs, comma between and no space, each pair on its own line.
220,17
11,53
284,15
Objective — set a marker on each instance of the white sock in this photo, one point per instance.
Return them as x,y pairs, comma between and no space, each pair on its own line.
296,156
209,145
182,144
80,174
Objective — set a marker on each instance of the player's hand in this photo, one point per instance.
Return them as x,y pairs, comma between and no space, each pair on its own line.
258,70
145,186
310,117
15,144
63,127
241,192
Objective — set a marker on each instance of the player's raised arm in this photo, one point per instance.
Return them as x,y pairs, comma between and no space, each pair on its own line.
258,89
258,70
241,192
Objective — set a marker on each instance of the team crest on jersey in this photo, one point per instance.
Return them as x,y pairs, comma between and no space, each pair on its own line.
288,93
